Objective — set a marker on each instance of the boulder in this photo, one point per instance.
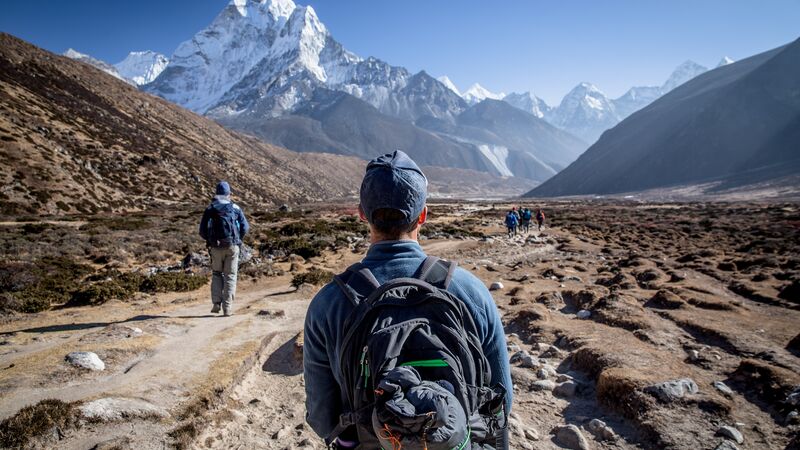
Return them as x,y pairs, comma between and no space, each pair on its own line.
723,388
496,286
543,385
194,260
120,408
245,254
584,314
670,391
546,371
524,359
570,436
86,360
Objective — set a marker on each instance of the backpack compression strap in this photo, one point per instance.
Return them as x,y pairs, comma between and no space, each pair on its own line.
436,272
356,272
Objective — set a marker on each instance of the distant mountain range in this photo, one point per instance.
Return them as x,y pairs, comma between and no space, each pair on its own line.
737,125
137,68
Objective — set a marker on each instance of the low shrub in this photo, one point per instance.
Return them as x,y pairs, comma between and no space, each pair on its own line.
36,421
314,276
172,282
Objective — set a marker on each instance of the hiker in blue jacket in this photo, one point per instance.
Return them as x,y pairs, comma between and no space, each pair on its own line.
392,201
511,223
222,227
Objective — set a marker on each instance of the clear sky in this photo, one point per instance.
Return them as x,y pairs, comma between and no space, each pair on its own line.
547,46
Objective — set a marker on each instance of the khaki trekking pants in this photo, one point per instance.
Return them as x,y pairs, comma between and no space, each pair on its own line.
224,268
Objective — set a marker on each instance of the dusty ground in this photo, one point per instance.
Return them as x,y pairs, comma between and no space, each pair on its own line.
707,292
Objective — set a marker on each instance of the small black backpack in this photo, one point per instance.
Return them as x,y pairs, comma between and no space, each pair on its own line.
414,372
223,227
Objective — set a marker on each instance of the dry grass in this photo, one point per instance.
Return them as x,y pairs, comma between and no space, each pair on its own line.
48,417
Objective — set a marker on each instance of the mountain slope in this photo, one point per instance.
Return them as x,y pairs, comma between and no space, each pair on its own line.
73,138
736,124
142,67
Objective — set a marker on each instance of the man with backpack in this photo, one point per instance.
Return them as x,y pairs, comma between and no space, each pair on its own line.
540,218
526,220
511,223
223,226
404,350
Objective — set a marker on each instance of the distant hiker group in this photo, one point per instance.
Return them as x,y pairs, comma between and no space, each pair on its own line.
521,217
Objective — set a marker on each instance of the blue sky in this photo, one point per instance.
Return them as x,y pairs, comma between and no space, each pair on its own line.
541,45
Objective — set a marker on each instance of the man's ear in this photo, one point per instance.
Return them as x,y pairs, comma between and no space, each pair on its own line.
361,214
423,216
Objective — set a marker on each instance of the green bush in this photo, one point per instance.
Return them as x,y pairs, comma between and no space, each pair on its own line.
314,276
172,282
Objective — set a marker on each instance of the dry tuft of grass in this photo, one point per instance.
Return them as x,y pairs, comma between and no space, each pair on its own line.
36,421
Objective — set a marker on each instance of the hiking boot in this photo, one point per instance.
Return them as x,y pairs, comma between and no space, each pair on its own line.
226,312
215,309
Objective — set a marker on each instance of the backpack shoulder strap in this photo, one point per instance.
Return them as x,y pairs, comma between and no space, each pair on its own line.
357,283
436,272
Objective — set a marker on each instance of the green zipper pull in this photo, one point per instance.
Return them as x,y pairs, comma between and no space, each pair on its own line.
363,364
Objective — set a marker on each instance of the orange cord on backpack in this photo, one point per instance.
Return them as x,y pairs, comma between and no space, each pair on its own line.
394,439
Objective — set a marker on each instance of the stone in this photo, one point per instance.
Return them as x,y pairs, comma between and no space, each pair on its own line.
562,377
513,348
723,388
542,347
726,445
282,434
245,254
794,397
546,371
194,260
566,389
496,286
543,385
584,314
694,355
531,434
524,359
552,352
285,208
86,360
113,444
295,258
602,431
670,391
570,436
793,418
112,409
730,433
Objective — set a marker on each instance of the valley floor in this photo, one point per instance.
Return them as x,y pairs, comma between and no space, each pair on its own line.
666,292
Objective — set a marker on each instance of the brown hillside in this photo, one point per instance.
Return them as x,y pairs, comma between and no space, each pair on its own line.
74,139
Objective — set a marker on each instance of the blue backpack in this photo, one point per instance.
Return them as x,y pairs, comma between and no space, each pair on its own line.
527,214
223,227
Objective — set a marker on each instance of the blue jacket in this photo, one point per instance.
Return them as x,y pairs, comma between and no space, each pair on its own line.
219,202
328,310
511,220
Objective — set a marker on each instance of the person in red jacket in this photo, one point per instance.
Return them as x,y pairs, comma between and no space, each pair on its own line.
540,218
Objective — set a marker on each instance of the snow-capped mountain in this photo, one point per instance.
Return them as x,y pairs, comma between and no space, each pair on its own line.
682,74
585,111
105,67
528,103
635,99
445,80
477,93
725,61
142,67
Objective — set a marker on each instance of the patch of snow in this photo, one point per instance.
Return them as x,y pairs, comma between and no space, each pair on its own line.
477,93
142,67
498,156
725,61
445,80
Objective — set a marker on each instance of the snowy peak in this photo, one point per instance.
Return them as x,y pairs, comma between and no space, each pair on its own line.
682,74
528,103
445,80
84,58
725,61
587,95
142,67
477,93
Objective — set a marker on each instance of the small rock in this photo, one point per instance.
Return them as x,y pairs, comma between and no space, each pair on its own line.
295,258
496,286
566,389
730,433
694,355
723,388
546,371
726,445
602,431
194,260
571,437
86,360
513,348
113,444
272,314
584,314
670,391
562,377
525,359
531,434
794,397
542,347
282,434
793,418
552,352
543,385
